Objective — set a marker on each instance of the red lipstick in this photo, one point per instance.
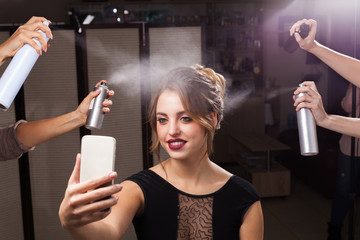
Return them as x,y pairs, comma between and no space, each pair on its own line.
176,144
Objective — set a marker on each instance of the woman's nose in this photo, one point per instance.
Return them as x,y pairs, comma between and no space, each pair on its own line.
174,129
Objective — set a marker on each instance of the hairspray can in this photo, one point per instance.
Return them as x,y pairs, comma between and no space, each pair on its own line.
17,72
96,115
307,130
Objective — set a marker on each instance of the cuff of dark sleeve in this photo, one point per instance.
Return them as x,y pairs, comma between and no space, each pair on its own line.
21,146
11,147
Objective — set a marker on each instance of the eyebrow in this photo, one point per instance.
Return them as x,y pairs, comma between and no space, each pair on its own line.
177,114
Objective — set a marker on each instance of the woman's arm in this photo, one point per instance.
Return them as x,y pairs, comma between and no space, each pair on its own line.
85,217
82,205
33,133
348,67
252,227
313,101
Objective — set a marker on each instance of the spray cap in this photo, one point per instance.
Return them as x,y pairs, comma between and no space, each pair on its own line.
43,34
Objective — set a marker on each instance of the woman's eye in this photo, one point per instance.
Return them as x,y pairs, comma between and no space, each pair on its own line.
186,119
161,120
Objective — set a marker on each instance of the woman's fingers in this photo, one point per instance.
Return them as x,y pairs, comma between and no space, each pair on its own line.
102,205
75,175
83,196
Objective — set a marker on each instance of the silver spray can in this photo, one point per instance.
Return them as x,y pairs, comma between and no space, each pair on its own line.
96,115
307,130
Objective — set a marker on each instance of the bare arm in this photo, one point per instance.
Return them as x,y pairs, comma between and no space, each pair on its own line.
344,125
81,209
33,133
252,227
24,34
84,217
348,67
313,101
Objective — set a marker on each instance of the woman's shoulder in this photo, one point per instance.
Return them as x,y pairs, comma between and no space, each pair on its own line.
236,184
147,180
144,175
242,187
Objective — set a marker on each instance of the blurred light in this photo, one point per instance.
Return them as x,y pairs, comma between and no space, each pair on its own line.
126,12
114,10
118,19
88,19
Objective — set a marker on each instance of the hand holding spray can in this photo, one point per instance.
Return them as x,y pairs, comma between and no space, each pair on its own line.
96,115
307,130
17,72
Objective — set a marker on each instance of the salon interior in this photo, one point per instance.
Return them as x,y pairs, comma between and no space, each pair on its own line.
129,43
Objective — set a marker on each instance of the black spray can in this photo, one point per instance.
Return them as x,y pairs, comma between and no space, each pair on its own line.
96,115
307,130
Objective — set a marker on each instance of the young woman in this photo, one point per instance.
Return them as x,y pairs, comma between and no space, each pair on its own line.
184,197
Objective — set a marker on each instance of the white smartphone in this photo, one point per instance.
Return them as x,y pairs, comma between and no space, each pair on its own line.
97,156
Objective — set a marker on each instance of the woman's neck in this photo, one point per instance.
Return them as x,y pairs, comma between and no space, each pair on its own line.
188,169
196,177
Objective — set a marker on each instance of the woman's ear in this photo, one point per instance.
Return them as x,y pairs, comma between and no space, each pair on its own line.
215,119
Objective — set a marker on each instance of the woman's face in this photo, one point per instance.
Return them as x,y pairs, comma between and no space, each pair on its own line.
179,135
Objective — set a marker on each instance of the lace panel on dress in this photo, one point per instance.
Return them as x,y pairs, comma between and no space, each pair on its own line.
195,218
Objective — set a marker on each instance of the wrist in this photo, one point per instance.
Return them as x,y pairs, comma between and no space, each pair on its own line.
79,117
325,122
314,47
3,55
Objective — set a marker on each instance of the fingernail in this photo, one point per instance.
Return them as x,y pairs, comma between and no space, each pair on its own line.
119,186
112,174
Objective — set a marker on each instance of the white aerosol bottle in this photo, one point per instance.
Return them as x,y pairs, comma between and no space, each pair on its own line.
307,130
17,72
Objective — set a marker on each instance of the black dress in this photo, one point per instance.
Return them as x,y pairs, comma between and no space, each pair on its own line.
171,214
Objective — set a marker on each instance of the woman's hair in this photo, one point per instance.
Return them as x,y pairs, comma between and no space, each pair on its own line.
201,91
